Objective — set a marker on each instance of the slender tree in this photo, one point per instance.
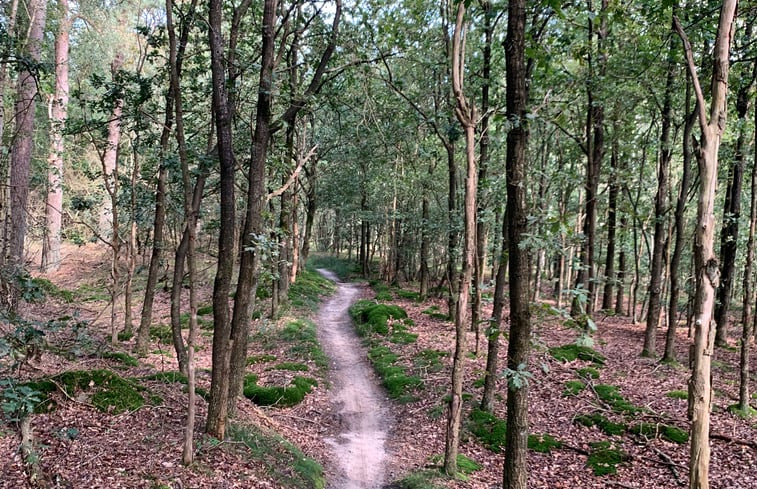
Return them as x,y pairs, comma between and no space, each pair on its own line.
706,263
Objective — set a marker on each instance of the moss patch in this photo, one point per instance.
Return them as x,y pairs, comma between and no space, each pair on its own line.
677,395
573,388
308,289
571,352
655,430
423,479
121,357
302,336
394,378
264,358
492,433
434,313
749,413
542,443
292,366
610,395
283,461
169,377
429,360
162,333
604,458
601,422
280,396
588,373
375,315
106,390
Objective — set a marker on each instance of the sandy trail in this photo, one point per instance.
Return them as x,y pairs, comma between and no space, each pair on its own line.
358,451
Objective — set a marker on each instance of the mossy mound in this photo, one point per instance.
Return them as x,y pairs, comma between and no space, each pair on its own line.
750,412
308,289
588,373
121,357
601,422
106,390
283,461
492,432
302,336
169,377
434,313
280,396
664,431
408,294
604,458
394,378
375,315
572,351
610,395
573,388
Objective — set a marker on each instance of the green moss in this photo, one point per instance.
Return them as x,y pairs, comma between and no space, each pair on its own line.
302,336
170,377
91,293
489,429
109,391
292,366
542,443
384,296
429,360
678,395
284,462
162,333
434,313
52,290
601,422
393,377
375,315
124,358
749,413
610,395
409,294
403,338
205,310
418,480
124,335
263,358
655,430
280,396
604,459
573,388
571,352
308,289
588,373
479,382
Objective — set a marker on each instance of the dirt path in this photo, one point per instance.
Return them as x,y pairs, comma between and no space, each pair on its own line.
358,451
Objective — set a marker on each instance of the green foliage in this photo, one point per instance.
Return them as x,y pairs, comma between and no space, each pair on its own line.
375,315
654,430
124,358
292,366
124,335
170,377
400,334
91,293
107,391
302,336
162,333
344,269
51,290
205,310
573,388
588,373
678,395
422,479
283,461
429,360
749,413
601,422
408,294
393,377
20,400
280,396
307,290
434,313
604,459
610,395
542,443
572,351
492,432
262,358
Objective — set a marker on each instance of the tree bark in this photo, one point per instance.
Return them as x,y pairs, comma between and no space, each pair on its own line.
660,211
58,112
612,216
706,263
515,474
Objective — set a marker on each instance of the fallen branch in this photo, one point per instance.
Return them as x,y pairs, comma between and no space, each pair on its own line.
737,441
671,465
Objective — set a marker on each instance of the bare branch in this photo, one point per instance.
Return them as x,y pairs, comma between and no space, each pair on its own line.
293,176
701,111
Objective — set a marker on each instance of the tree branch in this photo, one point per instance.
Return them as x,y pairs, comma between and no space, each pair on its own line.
701,111
293,176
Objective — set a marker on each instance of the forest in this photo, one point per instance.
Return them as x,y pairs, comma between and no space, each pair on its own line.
336,244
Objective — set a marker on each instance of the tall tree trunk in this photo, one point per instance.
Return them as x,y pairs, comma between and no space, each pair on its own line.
467,115
58,113
515,474
219,387
729,233
750,297
10,10
706,263
311,207
452,234
680,227
21,152
660,211
612,213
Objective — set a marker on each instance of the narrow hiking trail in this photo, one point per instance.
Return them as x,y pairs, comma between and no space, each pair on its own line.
359,451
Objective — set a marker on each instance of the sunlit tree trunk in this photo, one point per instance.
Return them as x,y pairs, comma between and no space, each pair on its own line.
706,262
58,112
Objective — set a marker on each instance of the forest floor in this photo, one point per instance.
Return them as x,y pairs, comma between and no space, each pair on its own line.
604,421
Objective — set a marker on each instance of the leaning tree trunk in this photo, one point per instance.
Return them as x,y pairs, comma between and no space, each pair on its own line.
660,212
706,262
58,113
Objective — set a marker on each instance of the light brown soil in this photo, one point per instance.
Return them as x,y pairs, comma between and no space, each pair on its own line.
358,452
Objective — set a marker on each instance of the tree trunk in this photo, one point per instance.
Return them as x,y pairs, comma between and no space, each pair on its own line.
58,113
23,144
219,387
706,263
612,213
619,296
729,233
680,227
515,474
467,116
660,212
452,234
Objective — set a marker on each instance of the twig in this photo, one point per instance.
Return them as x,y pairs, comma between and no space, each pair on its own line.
296,417
737,441
671,465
